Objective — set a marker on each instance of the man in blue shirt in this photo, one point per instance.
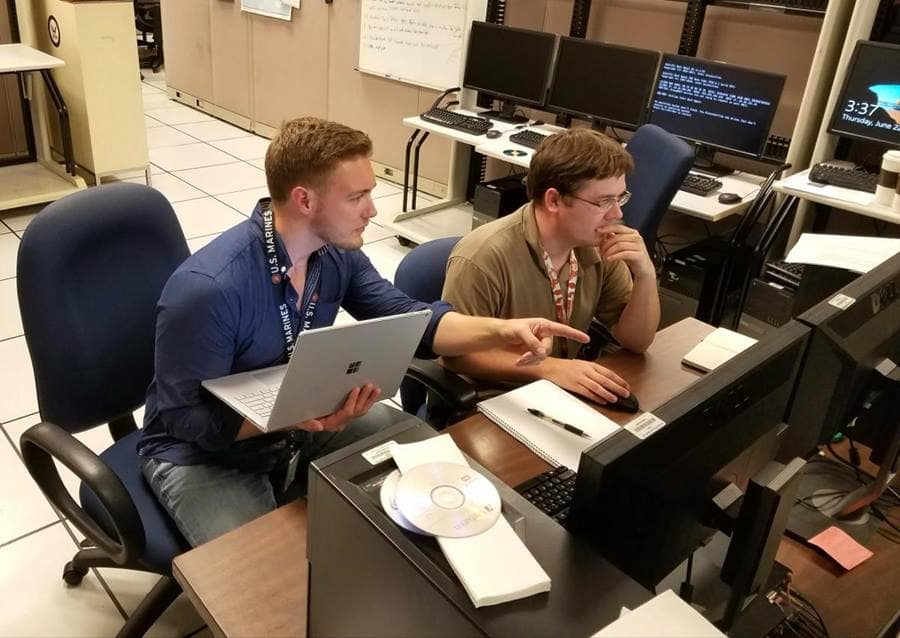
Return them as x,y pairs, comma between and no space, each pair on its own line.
238,305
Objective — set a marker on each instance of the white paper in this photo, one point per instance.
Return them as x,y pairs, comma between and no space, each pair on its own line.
494,566
664,616
268,8
859,254
551,442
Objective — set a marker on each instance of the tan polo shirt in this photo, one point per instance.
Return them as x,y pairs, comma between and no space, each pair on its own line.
497,271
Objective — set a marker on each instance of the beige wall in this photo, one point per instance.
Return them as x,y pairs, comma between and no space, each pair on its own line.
270,70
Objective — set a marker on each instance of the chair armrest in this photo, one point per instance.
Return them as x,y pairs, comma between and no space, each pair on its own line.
44,442
454,390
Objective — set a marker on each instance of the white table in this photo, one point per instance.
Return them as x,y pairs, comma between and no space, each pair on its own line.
456,214
41,180
847,199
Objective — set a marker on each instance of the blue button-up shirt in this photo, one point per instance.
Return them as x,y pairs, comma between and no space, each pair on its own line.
219,314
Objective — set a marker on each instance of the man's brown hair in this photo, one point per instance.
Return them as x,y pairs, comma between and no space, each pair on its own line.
306,150
566,160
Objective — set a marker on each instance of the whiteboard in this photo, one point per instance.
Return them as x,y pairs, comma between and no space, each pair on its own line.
415,41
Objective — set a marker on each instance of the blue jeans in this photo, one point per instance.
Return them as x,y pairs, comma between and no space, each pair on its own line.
206,501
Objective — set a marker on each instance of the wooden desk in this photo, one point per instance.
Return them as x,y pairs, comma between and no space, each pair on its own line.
253,580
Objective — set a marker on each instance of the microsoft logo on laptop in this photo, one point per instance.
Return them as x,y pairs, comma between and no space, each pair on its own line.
354,367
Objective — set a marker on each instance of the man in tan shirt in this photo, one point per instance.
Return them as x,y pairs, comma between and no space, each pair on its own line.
565,256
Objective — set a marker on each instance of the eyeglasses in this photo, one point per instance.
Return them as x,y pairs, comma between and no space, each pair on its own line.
606,204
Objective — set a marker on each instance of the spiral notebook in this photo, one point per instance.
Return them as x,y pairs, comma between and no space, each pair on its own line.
550,442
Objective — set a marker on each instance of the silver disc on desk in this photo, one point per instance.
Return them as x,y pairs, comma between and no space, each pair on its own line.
447,499
389,504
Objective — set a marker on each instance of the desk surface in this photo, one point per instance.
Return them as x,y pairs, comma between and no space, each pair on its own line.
17,58
858,202
253,580
703,207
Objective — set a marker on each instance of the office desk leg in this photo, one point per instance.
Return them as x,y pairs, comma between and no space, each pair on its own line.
415,184
63,112
409,143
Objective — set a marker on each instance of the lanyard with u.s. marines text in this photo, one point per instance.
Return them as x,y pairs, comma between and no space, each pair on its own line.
278,276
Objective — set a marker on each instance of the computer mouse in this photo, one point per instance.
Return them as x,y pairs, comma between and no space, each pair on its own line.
729,198
493,134
626,404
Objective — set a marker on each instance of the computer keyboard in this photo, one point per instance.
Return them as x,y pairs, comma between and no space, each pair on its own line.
843,176
452,119
260,401
531,139
700,184
785,273
551,492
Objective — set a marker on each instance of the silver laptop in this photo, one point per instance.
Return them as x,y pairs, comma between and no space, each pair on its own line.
326,365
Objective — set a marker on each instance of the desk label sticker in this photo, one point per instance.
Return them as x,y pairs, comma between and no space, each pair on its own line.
841,301
379,453
644,425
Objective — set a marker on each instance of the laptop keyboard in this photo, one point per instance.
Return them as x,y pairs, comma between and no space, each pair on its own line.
260,401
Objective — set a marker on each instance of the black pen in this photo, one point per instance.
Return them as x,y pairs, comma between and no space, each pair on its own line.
562,424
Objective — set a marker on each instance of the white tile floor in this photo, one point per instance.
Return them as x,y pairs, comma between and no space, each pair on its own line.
211,172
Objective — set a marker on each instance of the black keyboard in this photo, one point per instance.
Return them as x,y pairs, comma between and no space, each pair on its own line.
551,492
700,184
845,177
452,119
785,273
531,139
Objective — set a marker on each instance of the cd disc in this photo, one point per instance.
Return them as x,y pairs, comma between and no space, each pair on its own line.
388,502
446,499
514,152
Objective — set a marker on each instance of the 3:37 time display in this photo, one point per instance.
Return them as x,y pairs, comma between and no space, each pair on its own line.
860,108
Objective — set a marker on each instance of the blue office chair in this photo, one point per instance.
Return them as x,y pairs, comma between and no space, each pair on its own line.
91,268
420,275
661,162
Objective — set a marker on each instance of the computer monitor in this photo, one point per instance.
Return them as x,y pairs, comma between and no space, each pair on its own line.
869,104
715,105
604,83
647,504
512,65
849,384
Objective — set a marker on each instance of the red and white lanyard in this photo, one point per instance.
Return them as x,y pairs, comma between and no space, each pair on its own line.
563,306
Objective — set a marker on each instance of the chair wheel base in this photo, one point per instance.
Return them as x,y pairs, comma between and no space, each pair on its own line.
73,575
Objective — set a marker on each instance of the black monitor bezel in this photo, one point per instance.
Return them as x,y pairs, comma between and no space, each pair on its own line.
734,151
505,96
832,129
705,408
593,117
843,340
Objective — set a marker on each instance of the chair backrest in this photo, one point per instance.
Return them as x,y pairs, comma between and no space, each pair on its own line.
91,267
661,162
421,272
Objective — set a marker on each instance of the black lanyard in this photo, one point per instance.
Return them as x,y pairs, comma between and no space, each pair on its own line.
277,273
278,276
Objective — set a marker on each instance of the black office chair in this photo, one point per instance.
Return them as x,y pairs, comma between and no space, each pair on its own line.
661,162
91,268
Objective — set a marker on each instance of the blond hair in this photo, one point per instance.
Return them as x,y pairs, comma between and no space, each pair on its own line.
306,149
566,160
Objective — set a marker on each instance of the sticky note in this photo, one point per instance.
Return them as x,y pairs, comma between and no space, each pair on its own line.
841,547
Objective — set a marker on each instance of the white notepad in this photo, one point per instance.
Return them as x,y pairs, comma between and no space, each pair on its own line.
494,566
552,443
717,347
664,616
